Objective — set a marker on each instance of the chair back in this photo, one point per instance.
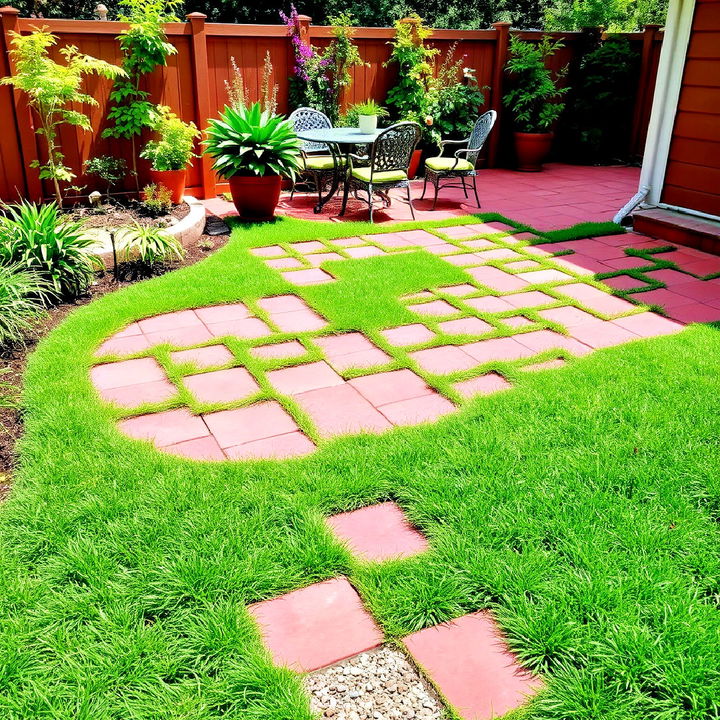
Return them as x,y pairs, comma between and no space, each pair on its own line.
479,135
394,147
306,118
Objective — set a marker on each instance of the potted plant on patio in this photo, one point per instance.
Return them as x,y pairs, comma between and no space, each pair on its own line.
534,100
368,113
254,149
172,153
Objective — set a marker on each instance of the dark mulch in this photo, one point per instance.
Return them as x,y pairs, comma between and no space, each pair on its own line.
117,214
13,361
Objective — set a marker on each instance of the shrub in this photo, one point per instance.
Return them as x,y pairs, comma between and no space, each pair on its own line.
174,149
370,107
41,240
23,296
157,200
108,168
143,248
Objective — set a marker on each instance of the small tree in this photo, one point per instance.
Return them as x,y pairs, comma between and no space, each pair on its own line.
51,89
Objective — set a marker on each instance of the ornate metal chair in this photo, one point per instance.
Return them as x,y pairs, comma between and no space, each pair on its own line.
387,165
463,163
318,164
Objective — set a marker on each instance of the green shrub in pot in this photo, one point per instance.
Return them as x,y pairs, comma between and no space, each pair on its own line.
368,113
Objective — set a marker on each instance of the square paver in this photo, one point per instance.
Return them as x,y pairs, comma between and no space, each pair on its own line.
466,326
301,378
482,385
463,259
318,259
460,232
123,345
542,340
624,282
602,333
669,277
222,386
406,335
479,244
344,343
469,662
499,254
422,238
169,321
279,351
204,357
247,329
282,304
441,248
204,448
126,372
309,247
595,299
268,251
648,324
378,532
169,427
537,277
286,263
531,299
278,447
387,387
663,297
313,276
180,337
221,313
364,251
518,321
316,626
458,290
489,304
438,308
361,360
417,410
567,315
254,422
518,265
133,396
130,330
443,360
700,290
391,240
497,349
299,321
348,242
498,280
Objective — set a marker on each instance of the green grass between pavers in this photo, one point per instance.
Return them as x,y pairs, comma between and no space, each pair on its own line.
582,507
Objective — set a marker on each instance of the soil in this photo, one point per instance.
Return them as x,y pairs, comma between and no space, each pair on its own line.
13,360
117,214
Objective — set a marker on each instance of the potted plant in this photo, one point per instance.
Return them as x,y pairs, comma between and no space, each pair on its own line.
533,100
253,149
368,113
171,154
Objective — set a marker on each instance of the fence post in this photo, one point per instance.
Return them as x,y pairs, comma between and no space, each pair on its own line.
502,42
23,116
643,96
304,22
202,93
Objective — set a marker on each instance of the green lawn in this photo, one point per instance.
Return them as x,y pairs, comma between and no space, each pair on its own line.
582,507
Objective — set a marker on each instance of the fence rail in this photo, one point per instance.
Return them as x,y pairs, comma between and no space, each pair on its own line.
193,84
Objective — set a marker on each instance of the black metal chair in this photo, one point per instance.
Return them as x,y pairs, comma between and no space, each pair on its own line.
464,162
387,165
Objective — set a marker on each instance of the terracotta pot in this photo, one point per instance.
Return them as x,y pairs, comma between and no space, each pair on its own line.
414,163
255,197
532,149
173,180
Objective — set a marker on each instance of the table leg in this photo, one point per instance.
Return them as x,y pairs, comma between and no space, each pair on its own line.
335,184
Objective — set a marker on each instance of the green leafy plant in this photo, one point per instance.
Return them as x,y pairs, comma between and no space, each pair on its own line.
156,200
56,248
237,91
53,92
24,293
145,46
252,141
371,108
148,245
534,99
108,168
174,149
614,15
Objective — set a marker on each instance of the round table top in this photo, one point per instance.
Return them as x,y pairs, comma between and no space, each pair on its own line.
339,135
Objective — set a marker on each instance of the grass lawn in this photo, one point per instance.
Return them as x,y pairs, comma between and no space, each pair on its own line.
582,507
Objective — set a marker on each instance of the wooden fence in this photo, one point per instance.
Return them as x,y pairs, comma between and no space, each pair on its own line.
193,83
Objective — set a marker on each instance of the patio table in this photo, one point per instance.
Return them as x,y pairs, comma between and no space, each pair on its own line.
339,140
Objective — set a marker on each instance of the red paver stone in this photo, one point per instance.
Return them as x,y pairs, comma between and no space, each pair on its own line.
596,299
708,265
597,249
701,290
316,626
567,315
341,410
497,349
438,308
286,263
542,340
348,242
343,344
278,447
364,251
464,260
289,349
458,290
309,247
624,282
460,232
170,321
518,265
378,532
318,259
418,237
469,662
255,422
648,324
165,428
601,333
489,303
443,360
313,276
466,326
131,329
668,276
180,337
442,248
695,313
479,244
204,357
517,321
628,262
662,296
485,228
247,329
205,448
268,251
299,321
408,335
282,304
393,386
221,313
123,345
497,279
581,264
417,410
537,277
391,240
498,254
126,372
363,359
222,386
482,385
133,396
301,378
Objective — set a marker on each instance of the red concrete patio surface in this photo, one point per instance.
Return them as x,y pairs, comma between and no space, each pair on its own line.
560,196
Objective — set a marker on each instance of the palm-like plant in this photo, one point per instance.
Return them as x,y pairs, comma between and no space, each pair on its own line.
252,141
150,245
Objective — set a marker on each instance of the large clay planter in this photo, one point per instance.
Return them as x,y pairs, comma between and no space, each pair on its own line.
173,180
255,197
531,150
414,163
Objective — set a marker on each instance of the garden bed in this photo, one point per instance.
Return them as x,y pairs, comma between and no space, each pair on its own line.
117,214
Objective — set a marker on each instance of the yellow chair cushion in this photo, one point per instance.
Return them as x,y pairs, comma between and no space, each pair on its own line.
384,176
448,163
321,162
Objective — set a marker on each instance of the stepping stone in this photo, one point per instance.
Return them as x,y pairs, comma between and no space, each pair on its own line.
348,242
648,324
205,448
361,360
517,321
443,360
169,427
222,386
479,244
469,662
279,351
628,262
547,365
126,372
498,254
120,346
180,337
335,346
464,260
129,331
498,280
497,349
438,308
466,326
700,290
458,290
246,329
663,297
669,277
301,378
459,232
313,276
378,532
387,387
441,248
254,422
536,277
520,237
406,335
422,295
268,251
364,251
582,265
531,299
482,385
299,321
222,313
567,315
542,340
282,304
423,238
602,333
286,263
316,626
133,396
204,357
489,303
391,240
595,299
170,321
318,258
695,313
624,282
522,265
309,247
278,447
341,410
417,410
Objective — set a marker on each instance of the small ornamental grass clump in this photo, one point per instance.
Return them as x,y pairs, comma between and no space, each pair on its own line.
24,293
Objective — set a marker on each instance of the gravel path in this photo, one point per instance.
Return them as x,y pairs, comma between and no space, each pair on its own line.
376,685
